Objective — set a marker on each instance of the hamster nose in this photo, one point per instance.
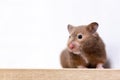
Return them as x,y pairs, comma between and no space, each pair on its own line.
71,46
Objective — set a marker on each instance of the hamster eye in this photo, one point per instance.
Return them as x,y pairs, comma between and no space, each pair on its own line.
69,36
79,36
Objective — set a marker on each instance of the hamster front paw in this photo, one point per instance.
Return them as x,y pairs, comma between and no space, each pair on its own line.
99,66
82,67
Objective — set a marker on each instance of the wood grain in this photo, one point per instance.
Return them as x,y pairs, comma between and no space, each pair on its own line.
59,74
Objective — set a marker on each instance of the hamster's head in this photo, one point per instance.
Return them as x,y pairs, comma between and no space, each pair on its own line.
80,35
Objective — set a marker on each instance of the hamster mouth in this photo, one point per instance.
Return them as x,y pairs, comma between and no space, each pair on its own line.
75,51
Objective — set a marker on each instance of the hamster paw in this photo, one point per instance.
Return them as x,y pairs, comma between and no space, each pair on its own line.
100,66
81,67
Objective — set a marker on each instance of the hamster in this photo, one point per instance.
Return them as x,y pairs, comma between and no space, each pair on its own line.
85,48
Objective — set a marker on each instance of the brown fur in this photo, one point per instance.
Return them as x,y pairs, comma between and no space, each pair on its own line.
91,46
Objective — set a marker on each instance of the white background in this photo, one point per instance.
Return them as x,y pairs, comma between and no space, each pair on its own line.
34,32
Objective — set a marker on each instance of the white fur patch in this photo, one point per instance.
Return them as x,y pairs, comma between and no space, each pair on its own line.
76,52
84,57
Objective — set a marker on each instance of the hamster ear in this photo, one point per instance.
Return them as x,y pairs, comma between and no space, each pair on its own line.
92,27
70,28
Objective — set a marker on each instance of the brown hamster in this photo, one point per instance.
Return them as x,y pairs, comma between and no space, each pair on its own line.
85,48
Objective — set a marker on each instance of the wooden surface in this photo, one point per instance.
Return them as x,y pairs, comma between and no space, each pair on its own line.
59,74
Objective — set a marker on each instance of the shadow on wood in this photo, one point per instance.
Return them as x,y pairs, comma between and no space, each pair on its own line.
107,64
